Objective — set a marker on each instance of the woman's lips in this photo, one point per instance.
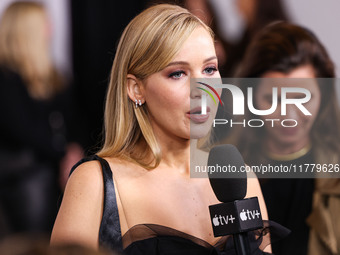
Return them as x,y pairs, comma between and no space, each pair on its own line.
196,116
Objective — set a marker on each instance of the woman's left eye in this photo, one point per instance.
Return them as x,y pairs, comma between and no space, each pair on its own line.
210,70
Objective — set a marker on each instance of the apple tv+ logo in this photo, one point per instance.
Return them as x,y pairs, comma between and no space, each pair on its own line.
249,215
236,217
221,220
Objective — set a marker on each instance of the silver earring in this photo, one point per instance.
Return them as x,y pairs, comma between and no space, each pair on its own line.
140,102
136,103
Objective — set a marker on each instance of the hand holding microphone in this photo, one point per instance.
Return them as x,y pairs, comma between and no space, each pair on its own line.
235,215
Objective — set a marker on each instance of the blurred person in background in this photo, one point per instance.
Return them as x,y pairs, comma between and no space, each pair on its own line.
256,14
284,50
35,103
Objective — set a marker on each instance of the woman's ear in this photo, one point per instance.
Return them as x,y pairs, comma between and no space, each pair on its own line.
135,89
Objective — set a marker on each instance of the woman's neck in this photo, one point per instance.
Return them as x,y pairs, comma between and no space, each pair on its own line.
175,154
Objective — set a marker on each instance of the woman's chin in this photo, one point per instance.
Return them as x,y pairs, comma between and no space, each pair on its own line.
199,131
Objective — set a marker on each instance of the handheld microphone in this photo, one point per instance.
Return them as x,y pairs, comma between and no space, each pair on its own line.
234,216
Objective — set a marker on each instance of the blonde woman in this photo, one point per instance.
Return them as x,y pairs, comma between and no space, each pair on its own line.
24,48
32,124
136,195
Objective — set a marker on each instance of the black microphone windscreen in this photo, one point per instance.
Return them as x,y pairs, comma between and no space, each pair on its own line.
228,186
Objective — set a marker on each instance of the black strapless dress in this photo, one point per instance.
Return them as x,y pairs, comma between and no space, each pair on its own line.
153,239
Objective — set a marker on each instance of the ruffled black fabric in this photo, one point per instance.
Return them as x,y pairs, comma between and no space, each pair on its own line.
160,240
155,239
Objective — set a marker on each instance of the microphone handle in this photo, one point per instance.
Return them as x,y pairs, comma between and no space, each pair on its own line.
241,242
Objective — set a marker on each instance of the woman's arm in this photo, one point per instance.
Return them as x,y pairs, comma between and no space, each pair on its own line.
80,214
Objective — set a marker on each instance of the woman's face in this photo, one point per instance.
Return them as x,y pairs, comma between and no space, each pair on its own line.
292,136
172,103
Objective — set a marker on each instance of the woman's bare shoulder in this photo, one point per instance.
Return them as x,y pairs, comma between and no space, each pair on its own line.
80,212
88,169
86,180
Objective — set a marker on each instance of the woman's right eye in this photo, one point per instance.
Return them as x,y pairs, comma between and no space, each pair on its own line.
177,74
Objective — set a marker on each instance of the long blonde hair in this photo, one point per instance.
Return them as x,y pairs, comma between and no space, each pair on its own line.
148,44
24,48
